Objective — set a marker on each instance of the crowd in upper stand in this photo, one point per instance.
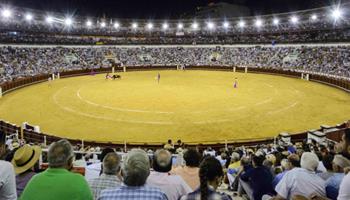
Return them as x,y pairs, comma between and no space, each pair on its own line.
273,171
17,62
316,36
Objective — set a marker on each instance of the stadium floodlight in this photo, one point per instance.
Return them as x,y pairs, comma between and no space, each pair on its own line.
165,26
195,25
294,19
336,13
88,23
180,26
49,19
241,24
226,25
116,25
258,23
275,21
149,26
103,24
134,25
68,21
314,17
28,17
6,13
211,25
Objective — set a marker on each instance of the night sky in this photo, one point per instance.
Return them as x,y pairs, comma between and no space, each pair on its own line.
158,9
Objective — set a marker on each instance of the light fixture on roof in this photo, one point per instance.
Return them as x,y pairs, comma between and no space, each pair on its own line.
258,23
134,25
241,24
314,17
68,21
49,19
226,25
28,17
149,26
294,19
165,26
276,21
116,25
336,13
6,13
180,26
103,24
88,23
195,25
211,25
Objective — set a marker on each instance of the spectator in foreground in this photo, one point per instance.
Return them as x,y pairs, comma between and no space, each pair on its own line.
57,182
288,164
135,171
169,146
257,181
95,170
301,181
333,183
211,175
7,175
190,172
110,177
233,168
172,185
344,192
24,161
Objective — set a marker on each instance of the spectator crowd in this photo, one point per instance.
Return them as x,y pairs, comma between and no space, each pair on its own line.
22,61
281,171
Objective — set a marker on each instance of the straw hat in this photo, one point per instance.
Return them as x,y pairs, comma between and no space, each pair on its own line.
25,158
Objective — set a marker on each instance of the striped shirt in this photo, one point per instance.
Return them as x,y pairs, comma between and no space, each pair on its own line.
133,193
103,182
212,195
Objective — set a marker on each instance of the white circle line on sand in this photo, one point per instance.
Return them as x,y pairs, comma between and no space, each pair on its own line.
283,109
119,109
104,118
162,123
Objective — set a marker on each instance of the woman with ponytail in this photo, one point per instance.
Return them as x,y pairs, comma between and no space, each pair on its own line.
210,176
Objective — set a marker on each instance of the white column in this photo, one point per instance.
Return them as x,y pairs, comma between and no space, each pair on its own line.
302,75
234,69
58,76
113,70
53,77
0,92
246,70
124,68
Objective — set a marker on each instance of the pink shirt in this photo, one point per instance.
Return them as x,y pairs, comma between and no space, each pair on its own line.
189,174
172,185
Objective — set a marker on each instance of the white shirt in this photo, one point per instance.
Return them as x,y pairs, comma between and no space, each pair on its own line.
344,190
299,181
92,171
172,185
7,181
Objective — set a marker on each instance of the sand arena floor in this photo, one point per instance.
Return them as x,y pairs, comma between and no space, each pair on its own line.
194,106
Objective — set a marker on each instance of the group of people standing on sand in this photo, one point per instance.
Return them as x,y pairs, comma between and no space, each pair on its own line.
114,76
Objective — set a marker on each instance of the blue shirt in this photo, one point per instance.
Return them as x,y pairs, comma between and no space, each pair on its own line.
278,178
133,193
260,180
333,184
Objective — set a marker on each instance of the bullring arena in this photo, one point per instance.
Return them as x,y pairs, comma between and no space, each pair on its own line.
198,106
194,100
